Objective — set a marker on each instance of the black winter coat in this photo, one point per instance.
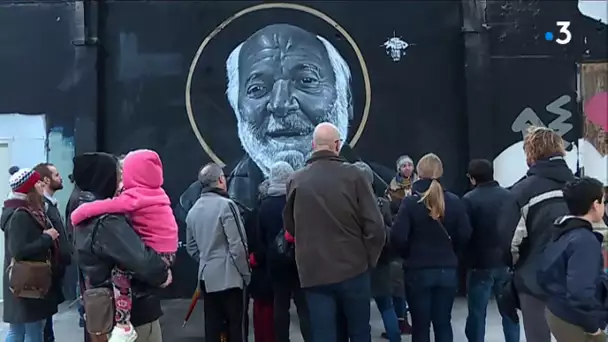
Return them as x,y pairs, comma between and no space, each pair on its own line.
108,241
24,240
260,286
65,246
537,199
270,224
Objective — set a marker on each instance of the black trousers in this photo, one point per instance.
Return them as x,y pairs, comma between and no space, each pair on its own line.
224,312
49,333
283,294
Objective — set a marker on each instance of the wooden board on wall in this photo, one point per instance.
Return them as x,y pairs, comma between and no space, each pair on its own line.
594,80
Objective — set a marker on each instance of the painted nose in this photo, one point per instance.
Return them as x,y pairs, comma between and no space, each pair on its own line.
281,101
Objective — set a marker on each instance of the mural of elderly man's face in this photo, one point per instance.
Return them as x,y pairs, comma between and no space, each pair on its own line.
288,82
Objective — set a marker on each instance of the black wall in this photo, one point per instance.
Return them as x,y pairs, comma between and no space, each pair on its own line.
114,75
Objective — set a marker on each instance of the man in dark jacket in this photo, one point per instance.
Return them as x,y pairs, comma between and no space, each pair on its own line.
72,204
339,234
484,259
53,183
281,267
535,203
116,243
572,267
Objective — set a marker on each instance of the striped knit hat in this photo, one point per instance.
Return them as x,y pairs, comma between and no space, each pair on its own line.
23,181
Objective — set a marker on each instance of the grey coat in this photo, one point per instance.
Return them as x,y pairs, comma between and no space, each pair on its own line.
217,239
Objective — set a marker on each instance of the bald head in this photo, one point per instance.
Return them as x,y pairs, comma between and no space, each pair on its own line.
326,136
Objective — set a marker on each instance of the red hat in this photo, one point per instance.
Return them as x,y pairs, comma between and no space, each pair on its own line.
24,180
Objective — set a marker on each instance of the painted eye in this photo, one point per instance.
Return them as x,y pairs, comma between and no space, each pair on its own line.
309,81
256,90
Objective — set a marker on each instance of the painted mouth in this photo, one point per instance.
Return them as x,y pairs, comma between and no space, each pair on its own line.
287,134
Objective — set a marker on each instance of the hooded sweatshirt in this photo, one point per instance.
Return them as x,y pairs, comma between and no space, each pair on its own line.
143,200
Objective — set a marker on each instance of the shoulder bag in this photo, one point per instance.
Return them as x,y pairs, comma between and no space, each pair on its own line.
29,279
98,302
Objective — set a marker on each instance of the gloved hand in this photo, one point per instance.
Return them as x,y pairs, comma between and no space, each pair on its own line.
289,238
252,261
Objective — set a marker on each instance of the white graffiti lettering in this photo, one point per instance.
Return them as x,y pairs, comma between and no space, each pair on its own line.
395,47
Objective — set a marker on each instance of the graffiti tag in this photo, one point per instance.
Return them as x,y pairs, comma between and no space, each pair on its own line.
528,117
395,47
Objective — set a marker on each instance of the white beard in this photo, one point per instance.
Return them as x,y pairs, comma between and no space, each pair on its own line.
295,151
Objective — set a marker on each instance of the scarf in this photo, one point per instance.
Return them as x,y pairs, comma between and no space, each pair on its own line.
404,182
19,202
277,189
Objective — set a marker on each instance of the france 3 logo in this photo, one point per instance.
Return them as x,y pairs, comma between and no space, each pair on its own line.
563,37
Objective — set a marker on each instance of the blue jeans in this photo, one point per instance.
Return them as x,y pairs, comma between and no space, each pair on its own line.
26,332
349,297
389,317
481,284
430,295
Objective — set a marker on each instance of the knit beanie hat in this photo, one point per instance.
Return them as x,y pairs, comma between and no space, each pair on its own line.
23,180
405,159
279,173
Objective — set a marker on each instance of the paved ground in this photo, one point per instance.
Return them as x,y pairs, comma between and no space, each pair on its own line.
66,324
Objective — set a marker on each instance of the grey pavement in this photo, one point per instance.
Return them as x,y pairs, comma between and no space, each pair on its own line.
66,324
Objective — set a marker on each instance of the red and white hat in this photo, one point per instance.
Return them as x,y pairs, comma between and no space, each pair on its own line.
23,181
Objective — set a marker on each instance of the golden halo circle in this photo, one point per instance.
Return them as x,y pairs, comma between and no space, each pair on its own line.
302,8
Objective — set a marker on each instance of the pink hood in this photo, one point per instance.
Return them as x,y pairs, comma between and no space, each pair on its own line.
142,169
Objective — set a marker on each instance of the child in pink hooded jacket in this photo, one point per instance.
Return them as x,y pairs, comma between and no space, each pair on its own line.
149,209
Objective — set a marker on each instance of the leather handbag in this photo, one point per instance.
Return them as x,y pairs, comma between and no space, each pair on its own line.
99,310
98,303
29,279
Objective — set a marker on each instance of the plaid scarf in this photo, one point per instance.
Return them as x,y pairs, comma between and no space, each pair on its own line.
39,216
404,182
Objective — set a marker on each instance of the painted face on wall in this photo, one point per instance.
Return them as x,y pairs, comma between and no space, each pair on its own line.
287,85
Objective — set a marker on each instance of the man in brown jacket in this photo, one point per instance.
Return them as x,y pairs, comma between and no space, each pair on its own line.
331,211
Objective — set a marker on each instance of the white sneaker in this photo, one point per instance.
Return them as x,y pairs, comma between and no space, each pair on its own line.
120,334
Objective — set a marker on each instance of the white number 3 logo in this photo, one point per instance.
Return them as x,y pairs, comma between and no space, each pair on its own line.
563,29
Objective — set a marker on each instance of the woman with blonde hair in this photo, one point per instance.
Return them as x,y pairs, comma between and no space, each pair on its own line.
430,229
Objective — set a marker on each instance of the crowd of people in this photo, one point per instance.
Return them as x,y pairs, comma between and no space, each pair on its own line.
318,236
321,237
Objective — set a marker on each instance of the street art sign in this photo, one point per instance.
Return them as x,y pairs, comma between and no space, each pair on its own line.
395,47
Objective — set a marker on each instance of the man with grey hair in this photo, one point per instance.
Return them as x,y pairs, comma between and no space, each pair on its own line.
217,240
332,214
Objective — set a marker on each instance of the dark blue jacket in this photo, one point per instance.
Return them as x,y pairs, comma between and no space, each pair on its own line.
421,240
570,274
485,249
